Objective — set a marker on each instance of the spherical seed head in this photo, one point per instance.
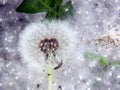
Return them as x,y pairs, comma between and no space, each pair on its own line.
43,42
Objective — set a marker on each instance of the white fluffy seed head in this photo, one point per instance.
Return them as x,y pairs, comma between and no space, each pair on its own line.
31,37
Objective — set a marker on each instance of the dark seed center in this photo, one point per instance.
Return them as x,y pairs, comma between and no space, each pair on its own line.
48,45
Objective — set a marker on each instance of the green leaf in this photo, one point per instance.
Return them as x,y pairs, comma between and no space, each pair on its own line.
115,63
92,56
103,61
54,8
68,9
56,5
34,6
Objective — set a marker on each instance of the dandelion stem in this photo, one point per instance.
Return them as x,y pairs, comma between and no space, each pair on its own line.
50,77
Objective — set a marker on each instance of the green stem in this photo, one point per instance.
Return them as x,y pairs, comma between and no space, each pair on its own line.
50,78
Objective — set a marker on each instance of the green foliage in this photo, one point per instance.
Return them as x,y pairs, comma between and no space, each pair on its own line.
53,8
103,61
115,63
100,59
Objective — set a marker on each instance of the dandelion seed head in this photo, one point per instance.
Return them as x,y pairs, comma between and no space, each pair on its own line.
53,41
